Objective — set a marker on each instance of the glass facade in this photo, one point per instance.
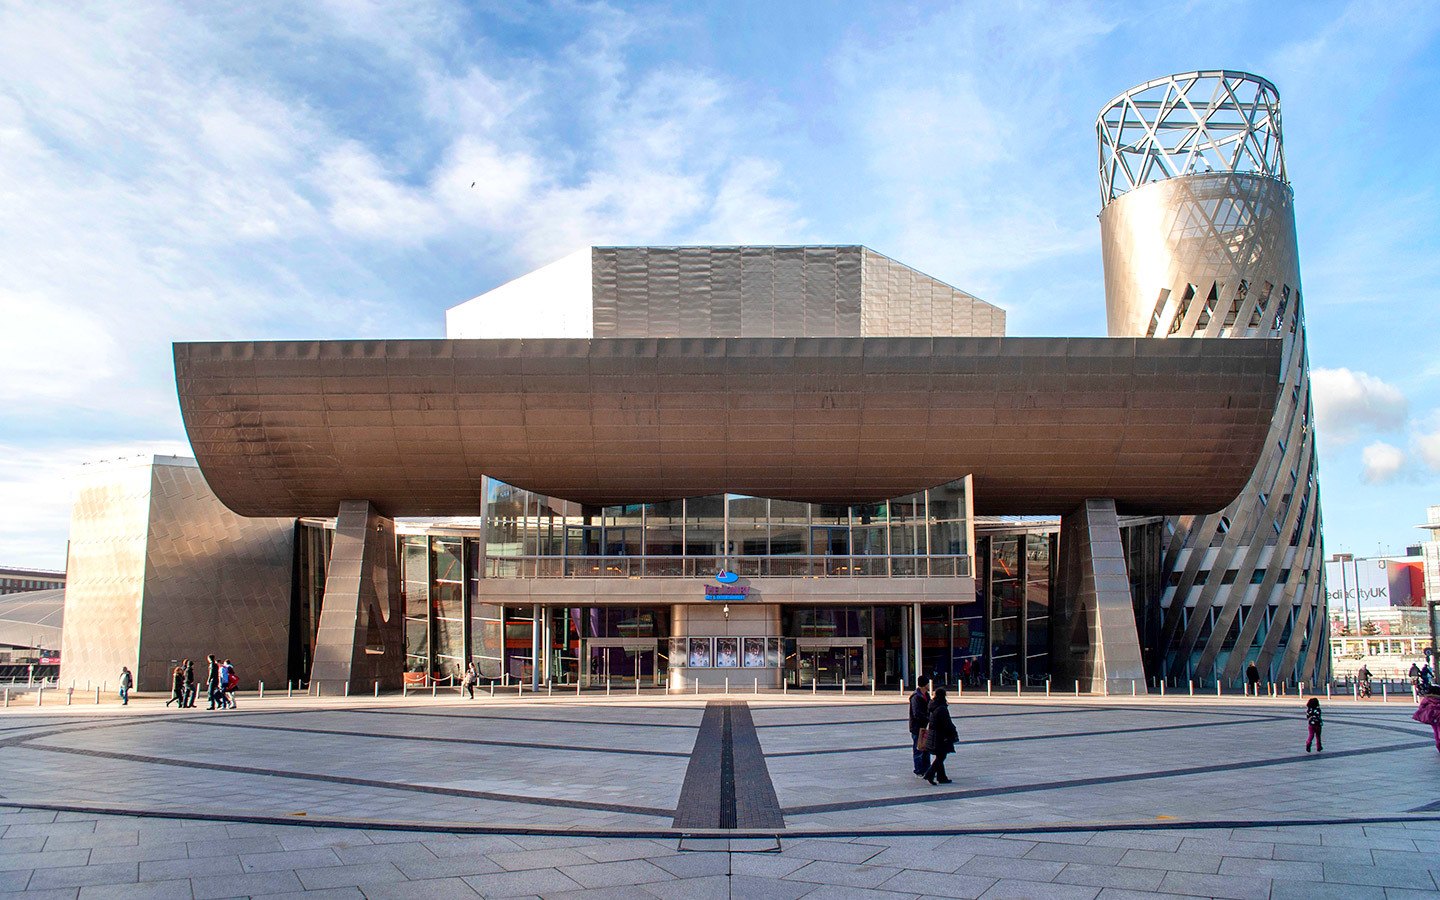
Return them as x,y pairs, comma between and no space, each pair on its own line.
927,534
1001,635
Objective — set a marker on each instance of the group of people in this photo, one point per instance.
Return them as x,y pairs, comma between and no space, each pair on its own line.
221,682
932,731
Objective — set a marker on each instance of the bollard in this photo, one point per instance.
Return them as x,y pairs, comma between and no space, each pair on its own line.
550,689
757,684
519,688
1077,687
1047,687
7,698
1217,687
987,687
289,689
347,688
577,688
1132,687
319,688
697,686
377,688
814,686
637,685
902,690
70,694
40,695
872,687
1192,687
97,697
727,685
1017,688
1384,695
1302,690
843,685
607,685
1162,687
959,689
1327,690
433,690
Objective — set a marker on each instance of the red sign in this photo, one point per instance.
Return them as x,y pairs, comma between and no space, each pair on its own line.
49,660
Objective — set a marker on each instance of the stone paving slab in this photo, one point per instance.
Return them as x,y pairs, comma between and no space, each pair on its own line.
1055,798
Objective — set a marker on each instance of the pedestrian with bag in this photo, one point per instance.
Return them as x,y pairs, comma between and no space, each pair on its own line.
1428,713
229,683
177,688
941,736
127,681
919,717
468,682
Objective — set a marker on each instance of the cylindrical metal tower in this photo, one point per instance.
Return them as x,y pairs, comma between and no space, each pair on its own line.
1198,235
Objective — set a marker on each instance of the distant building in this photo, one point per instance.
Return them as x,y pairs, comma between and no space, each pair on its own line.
1430,553
17,581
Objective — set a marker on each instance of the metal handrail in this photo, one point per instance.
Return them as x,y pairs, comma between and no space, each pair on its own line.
797,566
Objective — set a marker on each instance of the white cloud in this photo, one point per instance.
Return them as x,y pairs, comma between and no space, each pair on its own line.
37,489
1349,403
1427,443
1381,462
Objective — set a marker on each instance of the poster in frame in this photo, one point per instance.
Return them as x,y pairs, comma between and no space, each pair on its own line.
727,652
700,655
772,652
754,652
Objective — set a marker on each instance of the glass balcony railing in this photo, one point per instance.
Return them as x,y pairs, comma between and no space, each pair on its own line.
749,566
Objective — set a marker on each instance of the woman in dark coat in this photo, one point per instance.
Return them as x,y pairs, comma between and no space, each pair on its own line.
177,684
942,737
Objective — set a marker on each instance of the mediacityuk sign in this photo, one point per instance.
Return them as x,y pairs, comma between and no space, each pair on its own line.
727,589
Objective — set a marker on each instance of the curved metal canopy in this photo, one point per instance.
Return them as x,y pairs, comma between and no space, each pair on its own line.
294,428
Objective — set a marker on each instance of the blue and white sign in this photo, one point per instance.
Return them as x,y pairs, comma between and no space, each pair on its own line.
727,589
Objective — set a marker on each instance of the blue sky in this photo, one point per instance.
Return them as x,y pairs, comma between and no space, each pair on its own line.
277,170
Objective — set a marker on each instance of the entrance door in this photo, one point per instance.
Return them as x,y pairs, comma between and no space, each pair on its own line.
833,662
619,661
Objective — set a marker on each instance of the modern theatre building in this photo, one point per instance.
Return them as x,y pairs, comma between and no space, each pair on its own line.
685,466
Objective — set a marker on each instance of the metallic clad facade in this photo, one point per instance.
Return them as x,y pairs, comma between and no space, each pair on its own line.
1198,235
781,292
360,641
1095,624
296,428
160,570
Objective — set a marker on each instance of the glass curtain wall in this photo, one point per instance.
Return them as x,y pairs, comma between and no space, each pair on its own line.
922,534
415,601
312,561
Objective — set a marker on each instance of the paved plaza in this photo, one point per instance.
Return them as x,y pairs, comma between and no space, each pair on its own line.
743,796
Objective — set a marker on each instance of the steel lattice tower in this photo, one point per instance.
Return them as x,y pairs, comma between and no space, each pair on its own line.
1198,235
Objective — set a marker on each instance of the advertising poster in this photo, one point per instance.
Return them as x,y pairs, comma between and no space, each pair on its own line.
754,653
699,653
727,652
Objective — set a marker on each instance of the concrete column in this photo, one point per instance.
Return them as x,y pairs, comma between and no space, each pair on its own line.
915,619
1096,615
535,655
360,638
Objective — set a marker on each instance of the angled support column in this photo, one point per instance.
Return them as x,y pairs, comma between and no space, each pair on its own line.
1097,642
360,639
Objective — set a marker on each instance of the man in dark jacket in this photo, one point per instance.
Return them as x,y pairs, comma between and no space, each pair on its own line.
1252,679
212,680
919,717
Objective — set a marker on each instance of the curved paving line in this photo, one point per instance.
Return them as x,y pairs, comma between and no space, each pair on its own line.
547,720
1025,737
210,723
360,782
338,822
909,800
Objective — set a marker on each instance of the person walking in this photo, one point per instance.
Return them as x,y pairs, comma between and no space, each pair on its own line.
919,716
1314,722
942,737
1252,678
177,688
468,682
1428,713
229,683
189,684
1415,680
212,680
127,681
1364,677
